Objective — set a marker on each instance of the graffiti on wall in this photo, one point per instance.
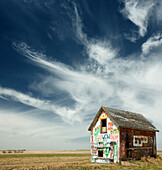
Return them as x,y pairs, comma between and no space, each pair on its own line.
139,140
106,136
94,152
96,132
102,138
92,136
103,116
110,126
100,160
116,151
106,152
114,134
150,139
104,141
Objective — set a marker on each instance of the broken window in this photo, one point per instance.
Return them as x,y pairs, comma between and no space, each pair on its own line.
100,153
104,126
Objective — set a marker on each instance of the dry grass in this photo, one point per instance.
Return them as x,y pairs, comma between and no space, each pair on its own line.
69,160
46,152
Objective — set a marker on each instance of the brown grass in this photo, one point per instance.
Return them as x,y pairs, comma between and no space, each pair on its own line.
68,160
45,152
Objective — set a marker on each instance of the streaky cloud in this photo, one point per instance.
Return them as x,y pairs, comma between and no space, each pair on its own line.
152,43
130,83
138,12
10,94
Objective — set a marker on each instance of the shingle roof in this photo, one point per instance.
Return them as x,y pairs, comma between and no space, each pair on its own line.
125,119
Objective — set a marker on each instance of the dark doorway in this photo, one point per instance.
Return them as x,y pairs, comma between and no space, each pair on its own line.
100,153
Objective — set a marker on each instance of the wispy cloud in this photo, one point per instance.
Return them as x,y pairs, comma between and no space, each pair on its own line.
21,130
82,86
158,12
10,94
20,97
98,50
138,12
152,43
130,83
103,80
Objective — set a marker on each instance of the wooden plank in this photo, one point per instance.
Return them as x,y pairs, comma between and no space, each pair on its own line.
140,148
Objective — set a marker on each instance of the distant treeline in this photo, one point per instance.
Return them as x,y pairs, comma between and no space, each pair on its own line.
77,150
14,151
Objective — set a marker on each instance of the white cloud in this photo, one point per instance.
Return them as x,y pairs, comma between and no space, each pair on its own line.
7,94
20,97
83,87
158,12
21,130
89,87
130,83
100,51
152,43
138,12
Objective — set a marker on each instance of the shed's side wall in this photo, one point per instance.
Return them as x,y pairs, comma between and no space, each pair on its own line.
135,144
102,141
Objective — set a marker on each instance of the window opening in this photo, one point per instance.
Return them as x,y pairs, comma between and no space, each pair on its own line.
104,127
100,153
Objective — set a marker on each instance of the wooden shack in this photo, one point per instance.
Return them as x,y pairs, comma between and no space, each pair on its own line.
121,135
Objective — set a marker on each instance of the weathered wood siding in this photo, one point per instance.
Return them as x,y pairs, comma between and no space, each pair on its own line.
135,144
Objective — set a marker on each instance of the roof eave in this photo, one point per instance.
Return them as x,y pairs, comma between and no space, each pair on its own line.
153,130
110,117
94,120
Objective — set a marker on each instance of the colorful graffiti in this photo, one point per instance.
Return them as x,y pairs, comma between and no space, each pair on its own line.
92,146
96,132
116,152
99,136
92,136
103,141
105,136
139,140
114,137
114,134
100,144
95,145
103,116
114,131
110,126
150,139
101,160
106,144
94,152
106,152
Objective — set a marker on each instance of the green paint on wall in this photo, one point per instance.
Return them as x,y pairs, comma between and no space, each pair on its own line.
115,152
106,152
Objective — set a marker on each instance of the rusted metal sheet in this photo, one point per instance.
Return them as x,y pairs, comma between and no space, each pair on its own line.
135,144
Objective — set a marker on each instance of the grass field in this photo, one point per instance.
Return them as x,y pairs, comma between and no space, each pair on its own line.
68,160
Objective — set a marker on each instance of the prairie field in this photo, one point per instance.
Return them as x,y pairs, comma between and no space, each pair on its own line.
46,160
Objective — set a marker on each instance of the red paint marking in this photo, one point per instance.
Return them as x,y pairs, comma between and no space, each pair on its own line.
110,125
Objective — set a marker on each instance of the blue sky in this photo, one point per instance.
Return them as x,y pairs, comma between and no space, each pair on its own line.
60,61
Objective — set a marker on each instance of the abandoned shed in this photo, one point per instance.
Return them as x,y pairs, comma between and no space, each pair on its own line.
120,135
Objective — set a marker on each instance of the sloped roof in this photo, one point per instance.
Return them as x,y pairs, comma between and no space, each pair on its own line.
125,119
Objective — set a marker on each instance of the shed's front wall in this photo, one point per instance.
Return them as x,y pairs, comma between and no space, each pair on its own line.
108,143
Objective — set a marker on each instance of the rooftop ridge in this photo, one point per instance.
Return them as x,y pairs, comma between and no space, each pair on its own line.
125,119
